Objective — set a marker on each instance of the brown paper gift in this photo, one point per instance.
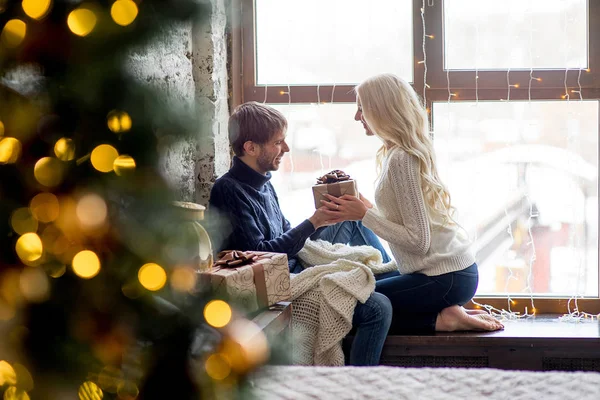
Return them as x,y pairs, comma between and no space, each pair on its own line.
253,278
335,189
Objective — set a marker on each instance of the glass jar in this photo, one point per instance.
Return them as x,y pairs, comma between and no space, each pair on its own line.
192,240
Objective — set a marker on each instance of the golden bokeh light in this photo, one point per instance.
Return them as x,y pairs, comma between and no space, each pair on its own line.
118,121
90,391
103,157
34,285
55,269
53,240
24,378
91,211
82,21
29,247
124,12
8,376
10,150
217,367
1,128
245,346
86,264
217,313
23,221
183,279
152,276
124,164
13,33
36,9
64,149
13,393
44,207
49,171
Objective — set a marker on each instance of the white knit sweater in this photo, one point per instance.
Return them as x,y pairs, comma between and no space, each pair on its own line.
418,241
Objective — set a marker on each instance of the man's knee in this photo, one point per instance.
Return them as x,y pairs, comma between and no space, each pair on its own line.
377,308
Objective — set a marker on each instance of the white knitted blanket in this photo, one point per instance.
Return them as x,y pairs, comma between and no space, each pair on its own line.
324,297
382,383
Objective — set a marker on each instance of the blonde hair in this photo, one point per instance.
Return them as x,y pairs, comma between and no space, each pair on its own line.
393,111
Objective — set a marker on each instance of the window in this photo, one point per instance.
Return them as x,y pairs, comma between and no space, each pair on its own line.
512,88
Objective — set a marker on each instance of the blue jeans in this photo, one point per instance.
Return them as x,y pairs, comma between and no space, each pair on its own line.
371,321
417,299
352,233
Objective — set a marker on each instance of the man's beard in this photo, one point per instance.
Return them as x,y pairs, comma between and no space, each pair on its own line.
267,164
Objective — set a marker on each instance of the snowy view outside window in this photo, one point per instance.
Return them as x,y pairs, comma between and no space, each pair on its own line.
517,170
332,41
515,34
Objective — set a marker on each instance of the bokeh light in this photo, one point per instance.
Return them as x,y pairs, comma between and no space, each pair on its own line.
55,269
118,121
24,378
245,346
1,128
91,211
103,157
29,247
82,21
8,376
13,393
10,150
36,9
152,276
49,171
217,367
89,391
13,33
53,240
44,207
183,279
23,221
86,264
124,164
64,149
34,285
124,12
217,313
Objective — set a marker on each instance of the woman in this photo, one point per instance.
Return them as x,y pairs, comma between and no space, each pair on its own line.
438,273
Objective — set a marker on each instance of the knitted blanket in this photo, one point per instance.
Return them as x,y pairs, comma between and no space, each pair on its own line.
324,297
382,383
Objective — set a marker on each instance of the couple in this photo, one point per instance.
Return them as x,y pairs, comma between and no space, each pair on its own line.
412,211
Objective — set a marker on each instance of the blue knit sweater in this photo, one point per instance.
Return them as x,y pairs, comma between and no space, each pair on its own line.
246,200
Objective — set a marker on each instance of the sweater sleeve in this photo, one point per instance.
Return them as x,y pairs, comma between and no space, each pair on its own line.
414,235
246,232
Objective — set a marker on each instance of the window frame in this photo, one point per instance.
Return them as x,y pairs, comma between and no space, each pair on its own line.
491,85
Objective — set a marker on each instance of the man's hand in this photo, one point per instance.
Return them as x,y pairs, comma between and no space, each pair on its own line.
345,208
320,218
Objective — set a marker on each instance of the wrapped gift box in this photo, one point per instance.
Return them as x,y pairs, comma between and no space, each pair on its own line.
337,189
255,279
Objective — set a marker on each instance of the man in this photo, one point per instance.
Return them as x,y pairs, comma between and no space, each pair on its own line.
248,200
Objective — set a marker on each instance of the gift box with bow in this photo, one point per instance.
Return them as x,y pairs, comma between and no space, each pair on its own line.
254,279
336,183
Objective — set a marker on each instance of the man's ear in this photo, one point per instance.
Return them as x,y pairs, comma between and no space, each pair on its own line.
250,148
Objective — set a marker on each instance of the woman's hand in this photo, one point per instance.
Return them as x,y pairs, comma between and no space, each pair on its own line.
345,208
366,202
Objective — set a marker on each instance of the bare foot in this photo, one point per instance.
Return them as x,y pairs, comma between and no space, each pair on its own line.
474,312
455,318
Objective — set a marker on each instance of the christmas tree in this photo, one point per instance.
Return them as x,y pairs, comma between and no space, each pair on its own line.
96,300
